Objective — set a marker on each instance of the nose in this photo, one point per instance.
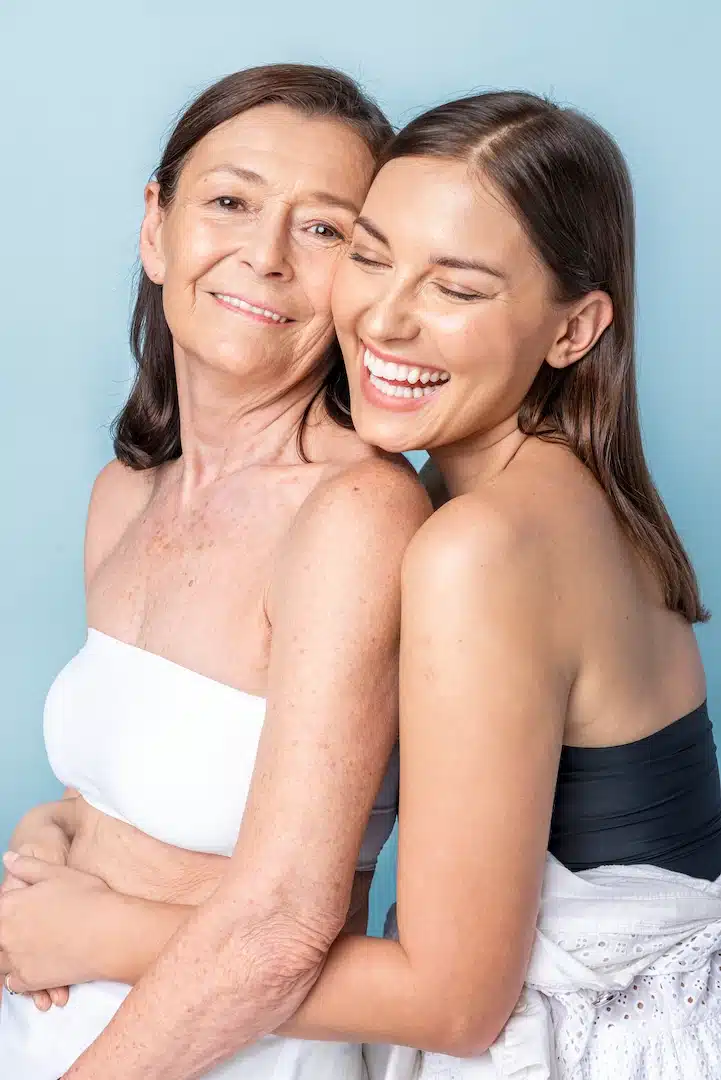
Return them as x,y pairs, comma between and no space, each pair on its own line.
391,317
266,246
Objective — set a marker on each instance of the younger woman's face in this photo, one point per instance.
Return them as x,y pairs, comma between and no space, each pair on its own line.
443,309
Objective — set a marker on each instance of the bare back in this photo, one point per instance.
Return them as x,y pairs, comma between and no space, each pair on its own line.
637,666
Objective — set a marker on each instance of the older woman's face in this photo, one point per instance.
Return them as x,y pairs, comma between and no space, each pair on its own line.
247,250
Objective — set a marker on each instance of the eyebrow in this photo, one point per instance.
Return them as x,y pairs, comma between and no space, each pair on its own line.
243,174
334,200
453,263
449,261
372,230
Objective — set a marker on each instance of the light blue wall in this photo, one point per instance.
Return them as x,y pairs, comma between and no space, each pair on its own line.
87,91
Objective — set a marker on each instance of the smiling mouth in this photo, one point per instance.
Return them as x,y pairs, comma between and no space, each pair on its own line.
239,304
398,380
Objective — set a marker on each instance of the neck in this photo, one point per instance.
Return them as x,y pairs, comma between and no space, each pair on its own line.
227,424
478,458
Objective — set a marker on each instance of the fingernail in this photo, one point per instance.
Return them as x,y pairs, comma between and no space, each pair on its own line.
10,857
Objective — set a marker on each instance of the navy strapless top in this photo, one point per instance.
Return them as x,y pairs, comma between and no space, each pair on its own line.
655,801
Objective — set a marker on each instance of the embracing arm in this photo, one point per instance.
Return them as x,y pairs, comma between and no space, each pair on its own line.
245,960
484,688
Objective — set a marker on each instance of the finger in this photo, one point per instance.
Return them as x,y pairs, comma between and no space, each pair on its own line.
41,1000
11,883
29,869
46,853
17,986
59,996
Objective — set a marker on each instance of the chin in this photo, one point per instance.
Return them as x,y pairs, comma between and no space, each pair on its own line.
386,434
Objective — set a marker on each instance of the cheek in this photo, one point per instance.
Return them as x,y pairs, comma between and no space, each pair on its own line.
464,337
193,248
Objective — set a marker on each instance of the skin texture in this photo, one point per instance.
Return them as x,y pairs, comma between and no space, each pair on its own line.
528,619
275,576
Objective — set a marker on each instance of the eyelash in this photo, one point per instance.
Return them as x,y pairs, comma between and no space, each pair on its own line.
238,203
324,225
362,259
460,295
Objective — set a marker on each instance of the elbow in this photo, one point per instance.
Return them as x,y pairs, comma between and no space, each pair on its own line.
284,950
463,1037
469,1024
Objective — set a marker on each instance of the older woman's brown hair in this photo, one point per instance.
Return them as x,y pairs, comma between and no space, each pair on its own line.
147,430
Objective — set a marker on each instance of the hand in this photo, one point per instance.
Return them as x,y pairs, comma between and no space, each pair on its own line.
52,845
45,832
52,927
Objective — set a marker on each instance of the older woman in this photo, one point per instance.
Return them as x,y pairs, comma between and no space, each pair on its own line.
243,580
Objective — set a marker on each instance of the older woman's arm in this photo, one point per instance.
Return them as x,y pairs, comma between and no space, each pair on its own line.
244,962
485,675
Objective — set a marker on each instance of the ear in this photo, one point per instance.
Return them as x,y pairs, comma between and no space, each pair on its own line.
151,235
582,326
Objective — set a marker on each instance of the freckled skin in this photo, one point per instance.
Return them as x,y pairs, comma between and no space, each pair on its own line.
188,577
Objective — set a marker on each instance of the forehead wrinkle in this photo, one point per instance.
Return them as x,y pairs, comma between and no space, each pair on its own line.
317,195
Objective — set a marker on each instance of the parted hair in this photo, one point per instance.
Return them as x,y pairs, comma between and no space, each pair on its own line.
567,181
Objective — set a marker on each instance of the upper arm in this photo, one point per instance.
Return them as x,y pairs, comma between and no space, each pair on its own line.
331,715
119,494
483,698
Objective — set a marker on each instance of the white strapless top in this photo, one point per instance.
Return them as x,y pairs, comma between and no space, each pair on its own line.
171,752
154,744
166,749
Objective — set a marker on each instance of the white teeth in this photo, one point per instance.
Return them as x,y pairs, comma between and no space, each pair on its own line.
390,372
396,391
235,301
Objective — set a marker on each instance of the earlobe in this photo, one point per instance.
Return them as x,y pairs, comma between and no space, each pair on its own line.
583,326
151,235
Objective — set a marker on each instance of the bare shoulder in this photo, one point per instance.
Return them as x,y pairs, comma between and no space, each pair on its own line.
350,535
485,534
378,495
119,495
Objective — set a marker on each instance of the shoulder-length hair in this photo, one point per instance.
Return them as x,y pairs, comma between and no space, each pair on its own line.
146,433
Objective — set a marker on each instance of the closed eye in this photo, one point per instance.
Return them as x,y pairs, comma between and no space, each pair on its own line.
356,257
463,295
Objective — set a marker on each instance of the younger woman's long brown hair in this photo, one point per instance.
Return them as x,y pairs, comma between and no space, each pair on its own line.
566,180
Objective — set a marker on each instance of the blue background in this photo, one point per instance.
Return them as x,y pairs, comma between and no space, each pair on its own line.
88,90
